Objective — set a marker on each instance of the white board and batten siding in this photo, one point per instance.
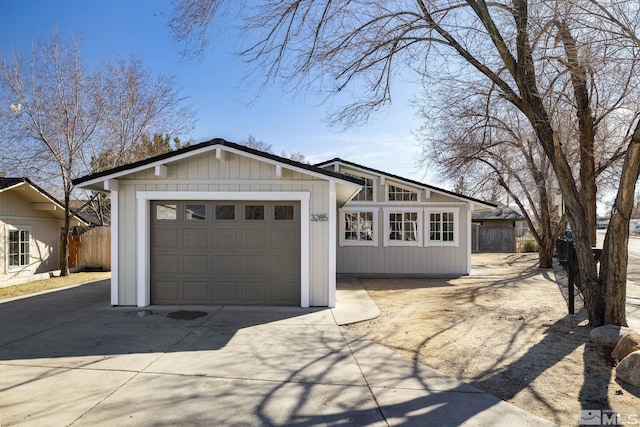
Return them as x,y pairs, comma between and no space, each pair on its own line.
420,259
209,177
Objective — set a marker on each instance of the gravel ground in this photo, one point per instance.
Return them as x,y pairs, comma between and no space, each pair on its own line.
504,329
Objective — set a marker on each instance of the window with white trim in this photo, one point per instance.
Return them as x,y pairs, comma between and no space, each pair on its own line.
358,227
442,226
403,227
367,192
399,194
18,247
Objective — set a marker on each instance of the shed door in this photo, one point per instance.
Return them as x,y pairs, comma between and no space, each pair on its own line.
225,252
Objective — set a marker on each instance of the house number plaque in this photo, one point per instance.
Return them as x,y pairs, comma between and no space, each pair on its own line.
319,217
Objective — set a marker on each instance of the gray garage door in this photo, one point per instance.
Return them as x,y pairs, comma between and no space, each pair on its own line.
225,252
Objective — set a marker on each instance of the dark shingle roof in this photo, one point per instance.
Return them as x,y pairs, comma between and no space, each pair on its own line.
499,213
11,182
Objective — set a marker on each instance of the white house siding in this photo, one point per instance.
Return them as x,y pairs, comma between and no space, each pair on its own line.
45,235
427,260
431,260
233,173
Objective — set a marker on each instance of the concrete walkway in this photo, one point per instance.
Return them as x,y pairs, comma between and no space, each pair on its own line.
68,358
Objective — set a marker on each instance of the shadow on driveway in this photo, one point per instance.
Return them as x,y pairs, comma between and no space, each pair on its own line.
69,358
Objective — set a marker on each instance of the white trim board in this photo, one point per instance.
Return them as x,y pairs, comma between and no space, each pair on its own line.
144,198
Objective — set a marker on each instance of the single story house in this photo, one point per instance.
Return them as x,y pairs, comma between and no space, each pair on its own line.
221,223
30,230
402,227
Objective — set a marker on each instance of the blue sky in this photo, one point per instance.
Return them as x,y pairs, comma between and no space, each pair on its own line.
289,122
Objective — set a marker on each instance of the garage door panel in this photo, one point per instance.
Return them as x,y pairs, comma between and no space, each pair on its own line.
167,264
254,239
166,238
284,239
195,264
224,264
284,292
255,292
195,292
205,254
283,266
167,291
226,292
224,239
254,264
195,238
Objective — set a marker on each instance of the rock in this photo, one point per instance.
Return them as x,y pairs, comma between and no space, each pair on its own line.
608,335
628,370
626,345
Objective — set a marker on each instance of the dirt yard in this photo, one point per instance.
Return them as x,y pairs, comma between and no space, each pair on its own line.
504,329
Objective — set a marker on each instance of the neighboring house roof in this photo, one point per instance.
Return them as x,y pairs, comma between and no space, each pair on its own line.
207,146
499,213
482,203
41,200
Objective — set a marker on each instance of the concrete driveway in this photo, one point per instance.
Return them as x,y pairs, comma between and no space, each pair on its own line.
69,358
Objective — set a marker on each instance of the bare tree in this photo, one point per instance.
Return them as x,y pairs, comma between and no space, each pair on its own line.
136,104
50,116
57,117
527,49
497,149
256,144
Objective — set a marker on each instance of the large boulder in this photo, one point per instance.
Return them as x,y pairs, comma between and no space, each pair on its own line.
628,370
626,345
608,335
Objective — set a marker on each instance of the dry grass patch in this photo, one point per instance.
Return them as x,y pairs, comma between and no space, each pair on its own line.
52,283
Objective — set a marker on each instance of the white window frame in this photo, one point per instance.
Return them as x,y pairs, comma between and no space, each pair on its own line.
456,226
403,187
21,267
362,176
419,224
342,228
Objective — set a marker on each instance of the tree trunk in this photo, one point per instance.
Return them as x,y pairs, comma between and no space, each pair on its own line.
613,267
546,250
64,256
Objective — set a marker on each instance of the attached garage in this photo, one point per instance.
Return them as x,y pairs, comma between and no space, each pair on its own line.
220,223
225,252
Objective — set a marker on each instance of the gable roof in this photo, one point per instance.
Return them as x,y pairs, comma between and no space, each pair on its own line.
409,181
501,212
195,149
37,195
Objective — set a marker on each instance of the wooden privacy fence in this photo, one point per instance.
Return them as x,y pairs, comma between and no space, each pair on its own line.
92,248
493,239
